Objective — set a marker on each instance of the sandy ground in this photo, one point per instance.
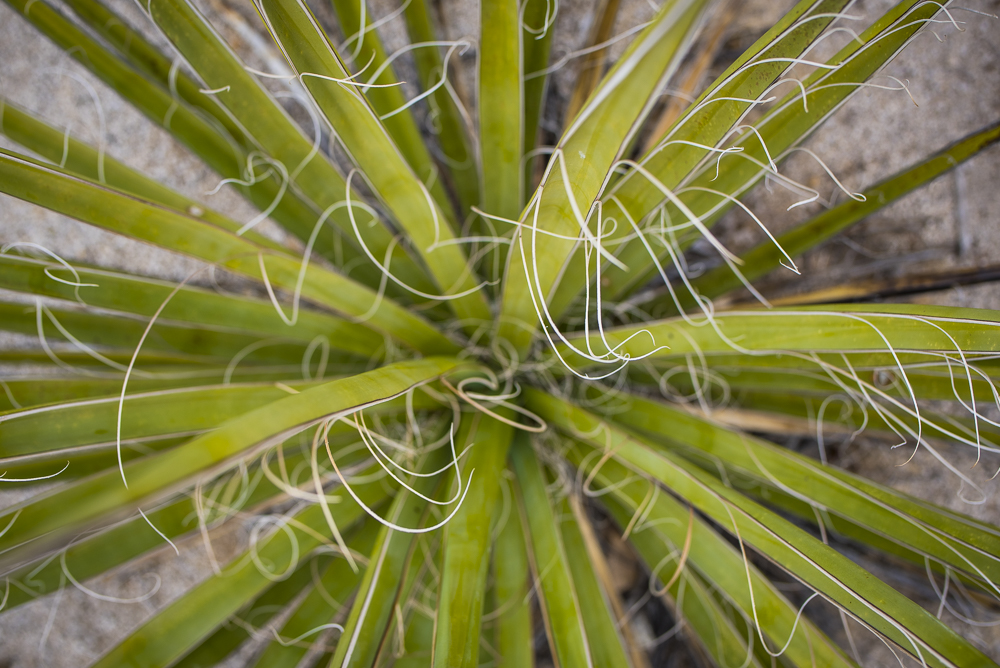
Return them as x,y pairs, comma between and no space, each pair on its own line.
953,77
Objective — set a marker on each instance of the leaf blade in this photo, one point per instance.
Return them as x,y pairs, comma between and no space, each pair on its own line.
58,516
587,151
308,51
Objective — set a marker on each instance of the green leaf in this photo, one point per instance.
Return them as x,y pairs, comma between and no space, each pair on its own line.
780,130
924,376
145,57
651,515
499,101
467,547
316,610
765,257
203,137
537,27
238,628
820,567
839,328
57,517
192,344
452,131
269,127
549,561
144,296
92,422
133,537
704,124
120,213
500,97
604,639
688,596
410,631
29,390
75,156
512,586
358,126
28,362
64,430
382,586
589,148
175,630
65,464
386,97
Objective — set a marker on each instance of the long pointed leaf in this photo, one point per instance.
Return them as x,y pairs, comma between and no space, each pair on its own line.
56,518
452,131
765,257
147,58
118,212
689,597
173,632
537,27
381,586
467,550
79,158
512,584
135,536
780,130
335,585
884,328
240,626
152,414
194,344
358,126
560,604
500,101
849,586
604,639
500,104
266,123
717,560
144,296
387,97
704,124
204,138
588,150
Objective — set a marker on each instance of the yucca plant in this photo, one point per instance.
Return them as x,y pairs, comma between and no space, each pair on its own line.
476,362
